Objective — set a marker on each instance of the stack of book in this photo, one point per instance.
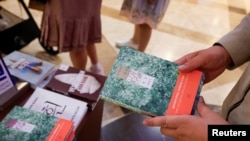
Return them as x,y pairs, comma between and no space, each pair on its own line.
60,100
20,88
77,83
7,84
54,104
66,80
28,125
10,89
19,72
45,116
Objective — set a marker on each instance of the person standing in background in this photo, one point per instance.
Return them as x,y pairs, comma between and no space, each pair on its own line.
74,26
146,15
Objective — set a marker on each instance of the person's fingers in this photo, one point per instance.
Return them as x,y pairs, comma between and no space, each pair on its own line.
202,108
193,64
155,121
166,127
190,62
184,59
174,121
168,131
181,61
165,121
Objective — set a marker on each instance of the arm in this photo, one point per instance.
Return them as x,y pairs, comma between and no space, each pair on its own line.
187,127
230,51
237,42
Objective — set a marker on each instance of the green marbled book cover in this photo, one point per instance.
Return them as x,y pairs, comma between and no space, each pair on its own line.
140,82
145,84
22,124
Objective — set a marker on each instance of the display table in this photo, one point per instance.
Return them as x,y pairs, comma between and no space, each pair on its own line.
90,127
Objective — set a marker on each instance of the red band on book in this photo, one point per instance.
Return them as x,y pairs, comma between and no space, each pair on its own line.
184,93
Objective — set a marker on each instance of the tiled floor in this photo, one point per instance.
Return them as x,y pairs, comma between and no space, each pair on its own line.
188,25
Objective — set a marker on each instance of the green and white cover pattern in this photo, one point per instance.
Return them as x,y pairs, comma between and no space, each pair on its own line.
140,82
22,124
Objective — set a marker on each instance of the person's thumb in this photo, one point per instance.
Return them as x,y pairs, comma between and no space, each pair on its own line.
202,108
209,115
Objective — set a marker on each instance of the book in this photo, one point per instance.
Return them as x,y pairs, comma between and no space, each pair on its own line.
28,68
45,81
54,104
72,136
151,85
28,125
22,88
11,88
8,87
6,80
77,83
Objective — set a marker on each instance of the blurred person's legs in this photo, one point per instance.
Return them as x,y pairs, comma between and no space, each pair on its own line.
129,43
144,34
140,39
92,54
79,58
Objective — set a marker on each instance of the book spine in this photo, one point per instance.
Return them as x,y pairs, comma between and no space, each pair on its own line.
71,136
185,93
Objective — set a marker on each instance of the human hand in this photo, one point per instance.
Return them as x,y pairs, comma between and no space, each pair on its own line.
187,127
212,61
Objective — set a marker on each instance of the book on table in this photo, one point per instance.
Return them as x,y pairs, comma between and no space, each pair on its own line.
22,88
72,136
151,85
77,83
8,86
28,67
58,105
28,125
7,83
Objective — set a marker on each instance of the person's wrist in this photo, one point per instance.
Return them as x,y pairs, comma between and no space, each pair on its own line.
226,56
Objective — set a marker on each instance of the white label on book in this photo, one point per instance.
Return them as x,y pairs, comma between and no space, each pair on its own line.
19,125
135,77
63,67
79,82
18,63
85,84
